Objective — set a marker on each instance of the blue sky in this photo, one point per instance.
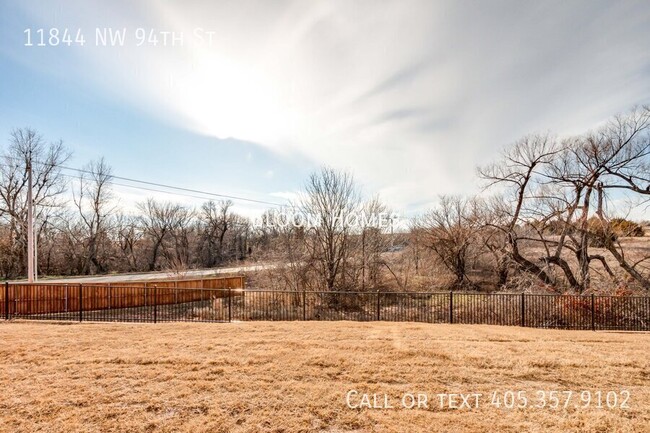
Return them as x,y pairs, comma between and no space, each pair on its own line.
409,96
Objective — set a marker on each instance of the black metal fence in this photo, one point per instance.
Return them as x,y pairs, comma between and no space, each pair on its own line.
138,304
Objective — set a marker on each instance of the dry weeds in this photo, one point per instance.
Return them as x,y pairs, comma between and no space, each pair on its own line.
292,377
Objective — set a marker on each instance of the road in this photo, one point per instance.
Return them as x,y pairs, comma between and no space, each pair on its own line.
193,273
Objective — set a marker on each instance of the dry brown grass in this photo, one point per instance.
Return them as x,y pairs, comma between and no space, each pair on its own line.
290,377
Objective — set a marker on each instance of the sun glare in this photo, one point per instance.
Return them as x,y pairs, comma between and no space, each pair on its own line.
223,98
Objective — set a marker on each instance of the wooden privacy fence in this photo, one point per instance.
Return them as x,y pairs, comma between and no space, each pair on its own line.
19,299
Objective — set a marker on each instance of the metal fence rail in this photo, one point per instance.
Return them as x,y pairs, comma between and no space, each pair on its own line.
203,304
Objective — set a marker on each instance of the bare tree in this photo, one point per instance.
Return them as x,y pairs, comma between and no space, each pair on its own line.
27,147
283,242
615,157
240,237
129,238
624,152
330,197
452,230
92,198
517,172
179,257
216,220
373,242
559,191
158,221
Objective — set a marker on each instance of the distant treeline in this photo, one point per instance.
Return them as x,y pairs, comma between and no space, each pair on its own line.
547,221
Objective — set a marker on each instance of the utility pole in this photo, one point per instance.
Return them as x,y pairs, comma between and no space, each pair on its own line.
36,256
30,223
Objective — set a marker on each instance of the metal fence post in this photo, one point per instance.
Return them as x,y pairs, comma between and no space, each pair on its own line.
378,306
229,305
304,305
155,303
6,300
451,307
593,313
81,303
523,309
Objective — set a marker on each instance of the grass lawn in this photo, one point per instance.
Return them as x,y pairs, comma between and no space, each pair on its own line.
293,376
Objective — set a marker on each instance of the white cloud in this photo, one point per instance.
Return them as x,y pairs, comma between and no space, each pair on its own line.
410,96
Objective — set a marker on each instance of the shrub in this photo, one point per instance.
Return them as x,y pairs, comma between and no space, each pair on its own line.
623,227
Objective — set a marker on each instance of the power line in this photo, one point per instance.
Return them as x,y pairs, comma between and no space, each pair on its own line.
178,188
144,188
73,177
212,194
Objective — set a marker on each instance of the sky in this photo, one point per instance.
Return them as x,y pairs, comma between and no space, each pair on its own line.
409,96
